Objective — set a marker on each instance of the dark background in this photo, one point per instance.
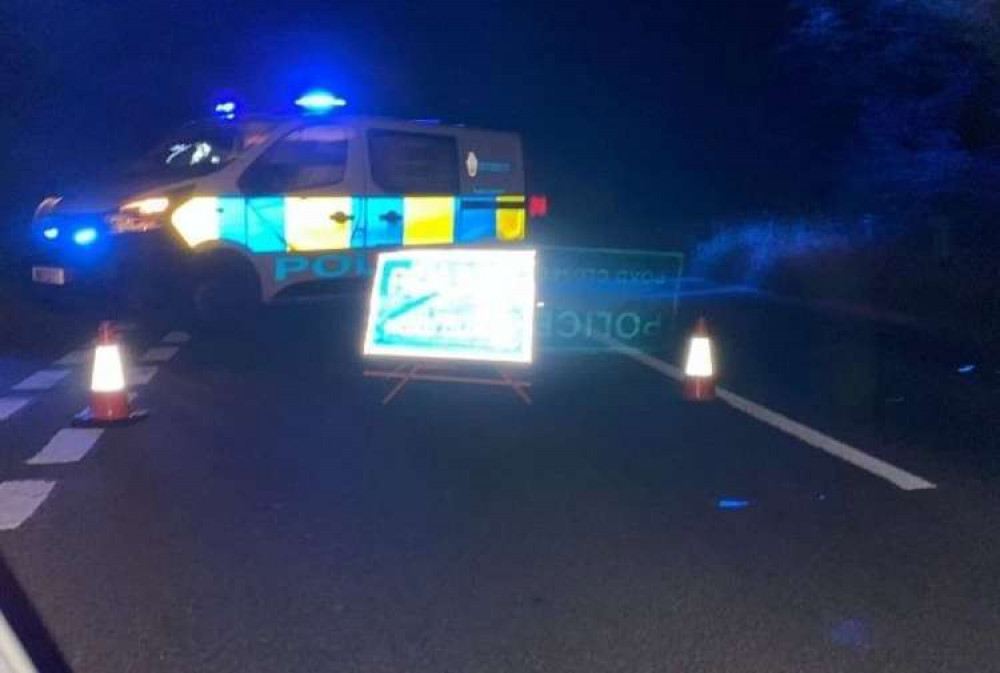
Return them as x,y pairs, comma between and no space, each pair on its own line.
653,116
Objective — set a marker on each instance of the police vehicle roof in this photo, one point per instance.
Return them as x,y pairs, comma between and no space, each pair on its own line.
341,119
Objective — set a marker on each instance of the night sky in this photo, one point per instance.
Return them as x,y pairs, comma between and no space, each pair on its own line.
642,121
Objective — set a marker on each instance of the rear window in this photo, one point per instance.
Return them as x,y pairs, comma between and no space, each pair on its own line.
413,163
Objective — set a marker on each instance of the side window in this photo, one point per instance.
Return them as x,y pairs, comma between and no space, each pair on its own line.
304,159
413,163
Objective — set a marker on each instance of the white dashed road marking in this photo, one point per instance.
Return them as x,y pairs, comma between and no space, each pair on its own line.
177,338
74,358
856,457
160,353
42,380
11,405
67,446
140,376
20,499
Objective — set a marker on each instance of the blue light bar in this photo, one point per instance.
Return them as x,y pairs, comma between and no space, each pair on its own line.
226,109
319,101
85,236
51,233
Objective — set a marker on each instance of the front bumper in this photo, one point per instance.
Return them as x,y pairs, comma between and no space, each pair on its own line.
111,269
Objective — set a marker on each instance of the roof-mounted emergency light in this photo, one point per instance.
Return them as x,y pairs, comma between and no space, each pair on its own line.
225,109
319,101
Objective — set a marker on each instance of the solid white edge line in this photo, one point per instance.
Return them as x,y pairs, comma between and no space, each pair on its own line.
69,445
20,499
901,478
11,405
856,457
659,365
42,379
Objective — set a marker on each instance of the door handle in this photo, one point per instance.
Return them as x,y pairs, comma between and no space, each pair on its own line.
392,217
341,217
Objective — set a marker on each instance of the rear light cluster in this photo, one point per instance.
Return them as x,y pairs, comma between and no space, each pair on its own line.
538,206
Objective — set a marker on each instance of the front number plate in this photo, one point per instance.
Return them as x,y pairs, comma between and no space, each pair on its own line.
49,275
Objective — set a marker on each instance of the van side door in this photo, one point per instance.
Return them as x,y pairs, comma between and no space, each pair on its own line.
301,192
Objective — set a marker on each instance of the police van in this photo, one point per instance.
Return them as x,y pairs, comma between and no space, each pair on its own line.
237,210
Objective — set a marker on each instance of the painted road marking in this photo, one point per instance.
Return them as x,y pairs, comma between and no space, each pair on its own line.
42,380
901,478
67,446
140,376
20,499
11,405
856,457
160,353
177,338
74,358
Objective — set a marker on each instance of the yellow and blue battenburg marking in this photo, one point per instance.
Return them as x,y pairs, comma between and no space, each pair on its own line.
318,223
312,223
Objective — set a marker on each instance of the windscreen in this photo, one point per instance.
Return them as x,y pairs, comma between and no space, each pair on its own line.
197,149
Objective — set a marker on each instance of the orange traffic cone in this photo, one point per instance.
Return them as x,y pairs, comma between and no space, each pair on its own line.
699,367
109,403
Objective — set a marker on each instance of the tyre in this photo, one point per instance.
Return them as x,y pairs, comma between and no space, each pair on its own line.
226,294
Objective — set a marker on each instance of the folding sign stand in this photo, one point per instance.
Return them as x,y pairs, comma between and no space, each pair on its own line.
447,372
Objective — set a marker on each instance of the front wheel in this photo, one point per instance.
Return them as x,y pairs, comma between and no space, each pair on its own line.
226,294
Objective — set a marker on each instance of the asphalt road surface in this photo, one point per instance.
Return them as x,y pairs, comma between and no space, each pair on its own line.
272,515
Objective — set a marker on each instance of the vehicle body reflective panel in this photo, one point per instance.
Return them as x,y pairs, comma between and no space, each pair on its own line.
428,220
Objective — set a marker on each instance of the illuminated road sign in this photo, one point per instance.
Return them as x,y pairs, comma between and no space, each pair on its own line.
462,304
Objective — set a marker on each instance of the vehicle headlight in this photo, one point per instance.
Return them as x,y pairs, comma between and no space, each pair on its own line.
140,215
151,206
